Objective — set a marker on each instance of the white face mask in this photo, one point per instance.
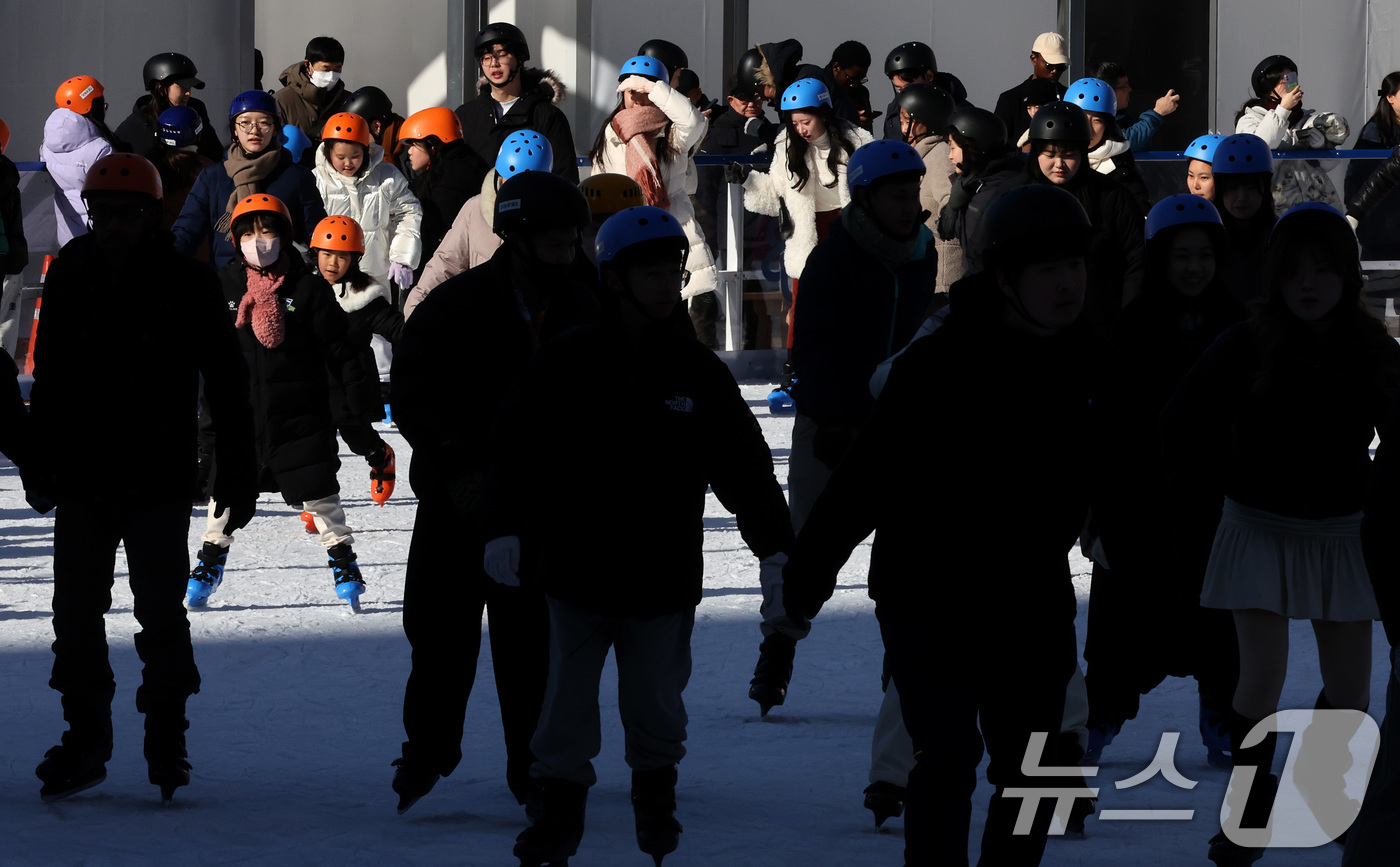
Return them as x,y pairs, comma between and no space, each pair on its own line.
261,252
324,80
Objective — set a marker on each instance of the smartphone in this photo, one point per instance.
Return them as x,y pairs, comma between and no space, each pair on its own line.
1291,80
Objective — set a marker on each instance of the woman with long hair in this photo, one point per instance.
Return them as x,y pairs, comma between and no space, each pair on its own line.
1379,233
1242,172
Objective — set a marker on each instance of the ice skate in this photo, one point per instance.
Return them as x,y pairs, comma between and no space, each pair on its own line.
1227,853
78,763
780,398
166,764
412,782
207,575
774,670
885,800
654,805
348,582
555,809
381,477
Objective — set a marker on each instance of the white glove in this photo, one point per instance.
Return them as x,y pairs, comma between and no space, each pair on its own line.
401,274
637,83
502,560
1312,138
1353,222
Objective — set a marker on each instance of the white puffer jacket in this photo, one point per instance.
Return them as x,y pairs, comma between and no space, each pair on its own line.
380,201
764,192
72,143
688,128
1298,181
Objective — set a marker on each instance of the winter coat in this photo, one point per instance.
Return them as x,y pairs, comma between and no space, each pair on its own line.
296,448
1115,160
1009,407
471,341
1011,108
369,311
687,131
303,104
856,311
969,197
1368,185
99,321
294,185
470,242
14,248
1295,181
485,131
1300,449
455,175
765,192
946,80
380,201
934,190
1162,334
72,143
653,439
145,139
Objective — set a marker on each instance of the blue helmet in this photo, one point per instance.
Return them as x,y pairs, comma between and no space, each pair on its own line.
631,227
804,93
295,141
1202,147
879,159
648,67
1328,226
1242,154
180,126
524,151
1181,210
253,100
1092,94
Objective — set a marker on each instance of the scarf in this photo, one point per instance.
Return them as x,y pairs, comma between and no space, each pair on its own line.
261,306
637,127
248,174
1101,157
892,252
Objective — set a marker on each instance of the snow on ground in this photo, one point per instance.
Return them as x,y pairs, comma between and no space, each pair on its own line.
299,718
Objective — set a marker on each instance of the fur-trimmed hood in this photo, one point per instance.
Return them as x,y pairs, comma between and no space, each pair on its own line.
545,83
351,299
780,60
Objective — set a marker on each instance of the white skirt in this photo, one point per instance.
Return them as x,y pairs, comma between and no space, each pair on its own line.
1299,568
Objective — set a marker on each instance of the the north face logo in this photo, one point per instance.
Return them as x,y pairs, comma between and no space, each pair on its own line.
680,404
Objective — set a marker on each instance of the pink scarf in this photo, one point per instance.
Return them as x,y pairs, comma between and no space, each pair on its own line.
637,127
261,306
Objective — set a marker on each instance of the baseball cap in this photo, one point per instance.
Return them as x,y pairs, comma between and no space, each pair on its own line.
1051,46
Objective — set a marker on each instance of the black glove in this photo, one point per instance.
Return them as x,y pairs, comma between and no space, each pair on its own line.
831,444
240,504
785,224
736,173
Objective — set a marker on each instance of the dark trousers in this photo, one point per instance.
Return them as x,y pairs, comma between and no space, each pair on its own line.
954,700
84,563
360,436
445,593
1373,840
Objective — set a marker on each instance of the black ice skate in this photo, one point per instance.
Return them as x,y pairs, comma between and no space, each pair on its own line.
774,670
885,800
654,803
555,809
77,764
412,781
166,764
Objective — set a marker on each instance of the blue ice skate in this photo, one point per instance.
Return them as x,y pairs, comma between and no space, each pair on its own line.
207,575
349,584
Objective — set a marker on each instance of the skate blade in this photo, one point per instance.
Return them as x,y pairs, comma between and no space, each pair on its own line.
83,787
406,803
167,795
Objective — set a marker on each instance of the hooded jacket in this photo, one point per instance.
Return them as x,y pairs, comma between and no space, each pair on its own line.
537,109
137,131
766,192
470,242
381,202
303,104
780,64
14,248
687,131
968,200
72,143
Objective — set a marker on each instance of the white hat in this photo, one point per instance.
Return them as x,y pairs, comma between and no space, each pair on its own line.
1051,47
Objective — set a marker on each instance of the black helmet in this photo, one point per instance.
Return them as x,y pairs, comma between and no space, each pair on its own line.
370,103
1260,79
750,62
506,34
671,55
981,127
531,201
168,67
1060,121
910,57
1033,223
929,105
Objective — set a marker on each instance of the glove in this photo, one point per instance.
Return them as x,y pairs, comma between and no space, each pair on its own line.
502,560
636,83
1312,138
786,226
1353,222
401,274
736,173
831,444
240,506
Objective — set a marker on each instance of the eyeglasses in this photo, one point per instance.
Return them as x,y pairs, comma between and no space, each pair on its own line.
250,125
500,57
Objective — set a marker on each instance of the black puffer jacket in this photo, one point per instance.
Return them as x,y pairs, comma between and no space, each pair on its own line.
643,445
456,174
296,448
14,248
141,130
369,311
538,110
1162,334
969,199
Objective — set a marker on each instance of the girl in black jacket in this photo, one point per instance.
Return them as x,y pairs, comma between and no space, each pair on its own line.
1278,416
291,332
444,172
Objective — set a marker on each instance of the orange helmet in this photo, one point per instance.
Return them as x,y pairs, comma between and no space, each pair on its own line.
78,93
340,234
4,135
608,193
261,203
439,121
123,173
345,126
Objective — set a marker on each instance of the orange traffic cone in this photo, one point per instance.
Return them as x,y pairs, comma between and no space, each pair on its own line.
381,479
28,347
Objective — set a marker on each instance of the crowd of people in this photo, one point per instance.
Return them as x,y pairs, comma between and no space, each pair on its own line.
1188,388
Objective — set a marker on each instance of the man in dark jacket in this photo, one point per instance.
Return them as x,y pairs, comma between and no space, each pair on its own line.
14,249
311,88
915,63
653,443
512,96
1049,60
1010,388
93,317
460,352
169,80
